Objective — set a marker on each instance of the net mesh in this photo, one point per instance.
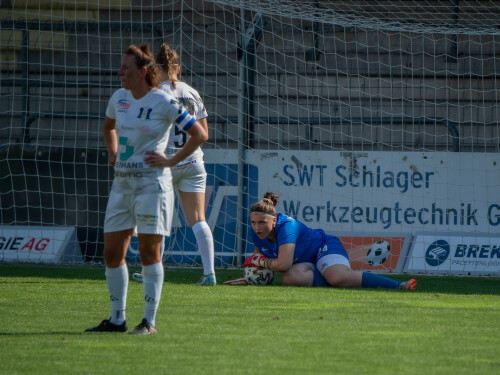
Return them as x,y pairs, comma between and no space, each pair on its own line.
296,75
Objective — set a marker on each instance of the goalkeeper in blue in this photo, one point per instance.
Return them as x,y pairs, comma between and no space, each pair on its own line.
305,256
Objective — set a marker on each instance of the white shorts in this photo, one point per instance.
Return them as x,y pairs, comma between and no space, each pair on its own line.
190,177
330,260
151,213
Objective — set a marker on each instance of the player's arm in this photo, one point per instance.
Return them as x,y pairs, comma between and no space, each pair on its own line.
200,111
281,264
197,136
111,140
285,258
204,124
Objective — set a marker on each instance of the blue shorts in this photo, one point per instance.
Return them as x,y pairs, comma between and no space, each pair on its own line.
331,253
318,279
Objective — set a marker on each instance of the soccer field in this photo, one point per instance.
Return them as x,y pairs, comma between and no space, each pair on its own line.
448,326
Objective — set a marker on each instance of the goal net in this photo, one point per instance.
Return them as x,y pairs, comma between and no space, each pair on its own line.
375,120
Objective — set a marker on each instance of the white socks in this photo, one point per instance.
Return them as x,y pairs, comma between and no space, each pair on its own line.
152,280
205,242
117,280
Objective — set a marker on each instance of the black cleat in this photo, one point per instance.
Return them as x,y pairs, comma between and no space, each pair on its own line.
107,326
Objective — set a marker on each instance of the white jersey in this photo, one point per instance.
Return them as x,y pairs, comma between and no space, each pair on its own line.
190,99
143,125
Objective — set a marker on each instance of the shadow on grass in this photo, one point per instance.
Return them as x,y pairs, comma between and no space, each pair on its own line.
52,333
426,284
456,285
96,272
52,272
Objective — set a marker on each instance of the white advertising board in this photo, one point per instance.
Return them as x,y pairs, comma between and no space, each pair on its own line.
462,254
39,244
384,192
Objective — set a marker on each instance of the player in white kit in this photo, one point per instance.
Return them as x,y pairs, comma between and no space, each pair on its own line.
136,131
189,176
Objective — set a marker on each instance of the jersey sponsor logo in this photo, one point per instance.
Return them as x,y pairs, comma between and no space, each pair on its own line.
145,113
147,218
123,105
127,152
185,165
129,174
144,129
121,164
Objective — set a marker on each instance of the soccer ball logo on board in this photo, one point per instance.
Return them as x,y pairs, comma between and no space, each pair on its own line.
378,253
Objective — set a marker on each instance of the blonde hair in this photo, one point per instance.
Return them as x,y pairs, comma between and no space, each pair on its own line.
144,57
266,205
168,59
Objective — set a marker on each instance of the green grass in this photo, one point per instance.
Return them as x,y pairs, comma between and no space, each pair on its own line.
448,326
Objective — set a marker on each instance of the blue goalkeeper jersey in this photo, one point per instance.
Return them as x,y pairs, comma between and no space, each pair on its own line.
288,230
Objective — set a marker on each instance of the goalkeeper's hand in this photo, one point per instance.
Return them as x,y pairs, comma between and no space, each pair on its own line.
248,262
257,260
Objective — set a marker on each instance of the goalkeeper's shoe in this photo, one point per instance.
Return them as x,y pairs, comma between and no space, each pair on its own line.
144,328
137,277
408,285
107,326
207,280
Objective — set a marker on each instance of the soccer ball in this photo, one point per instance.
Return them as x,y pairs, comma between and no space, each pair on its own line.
378,253
258,276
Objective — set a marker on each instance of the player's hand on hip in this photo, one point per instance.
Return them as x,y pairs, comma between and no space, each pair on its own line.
112,160
156,159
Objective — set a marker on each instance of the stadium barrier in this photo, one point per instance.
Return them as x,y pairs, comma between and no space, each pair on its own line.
39,244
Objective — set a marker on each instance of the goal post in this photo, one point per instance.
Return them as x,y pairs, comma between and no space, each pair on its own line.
367,116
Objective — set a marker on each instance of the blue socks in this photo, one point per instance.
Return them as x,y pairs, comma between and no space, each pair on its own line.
371,280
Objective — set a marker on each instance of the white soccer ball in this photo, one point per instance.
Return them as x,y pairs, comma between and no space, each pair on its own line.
378,253
258,276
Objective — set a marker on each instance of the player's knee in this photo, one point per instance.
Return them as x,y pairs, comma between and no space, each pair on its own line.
298,275
112,259
337,279
337,275
149,257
